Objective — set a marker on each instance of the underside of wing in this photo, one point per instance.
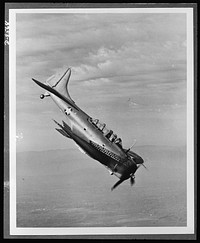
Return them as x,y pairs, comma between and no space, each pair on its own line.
63,132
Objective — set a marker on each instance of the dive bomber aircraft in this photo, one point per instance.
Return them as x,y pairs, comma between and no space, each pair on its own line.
92,136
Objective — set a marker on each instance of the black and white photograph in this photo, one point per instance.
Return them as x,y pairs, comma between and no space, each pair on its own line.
101,121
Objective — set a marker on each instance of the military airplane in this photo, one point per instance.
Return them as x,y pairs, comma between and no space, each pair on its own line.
91,135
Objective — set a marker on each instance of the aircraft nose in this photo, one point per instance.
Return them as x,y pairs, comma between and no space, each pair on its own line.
140,160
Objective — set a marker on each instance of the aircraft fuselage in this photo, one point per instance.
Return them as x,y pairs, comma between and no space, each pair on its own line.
93,142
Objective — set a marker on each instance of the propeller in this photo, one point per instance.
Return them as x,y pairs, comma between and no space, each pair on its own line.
132,180
131,146
144,166
117,184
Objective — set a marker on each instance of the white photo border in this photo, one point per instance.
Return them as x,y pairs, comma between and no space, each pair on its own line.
189,229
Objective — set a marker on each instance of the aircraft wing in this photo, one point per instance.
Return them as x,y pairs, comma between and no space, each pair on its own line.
63,132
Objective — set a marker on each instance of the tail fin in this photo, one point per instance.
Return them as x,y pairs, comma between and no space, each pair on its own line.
60,83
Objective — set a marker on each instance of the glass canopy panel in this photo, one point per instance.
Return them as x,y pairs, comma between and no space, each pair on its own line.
107,132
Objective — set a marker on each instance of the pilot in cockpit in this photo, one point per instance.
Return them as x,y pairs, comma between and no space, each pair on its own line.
101,126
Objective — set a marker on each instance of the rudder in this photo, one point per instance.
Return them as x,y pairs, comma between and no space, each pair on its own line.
61,85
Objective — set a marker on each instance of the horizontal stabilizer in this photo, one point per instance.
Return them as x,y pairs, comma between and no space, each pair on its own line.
56,93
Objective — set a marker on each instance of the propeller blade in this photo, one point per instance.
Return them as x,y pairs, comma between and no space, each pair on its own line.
132,181
144,166
117,184
133,143
131,146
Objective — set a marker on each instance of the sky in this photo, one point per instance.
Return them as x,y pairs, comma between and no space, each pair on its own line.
128,70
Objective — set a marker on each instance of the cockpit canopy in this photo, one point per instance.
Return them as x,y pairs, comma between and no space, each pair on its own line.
106,132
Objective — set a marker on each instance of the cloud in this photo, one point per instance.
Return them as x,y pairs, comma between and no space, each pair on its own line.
98,45
97,82
136,56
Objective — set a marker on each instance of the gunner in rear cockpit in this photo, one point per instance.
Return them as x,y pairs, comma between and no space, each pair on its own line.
118,141
113,138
